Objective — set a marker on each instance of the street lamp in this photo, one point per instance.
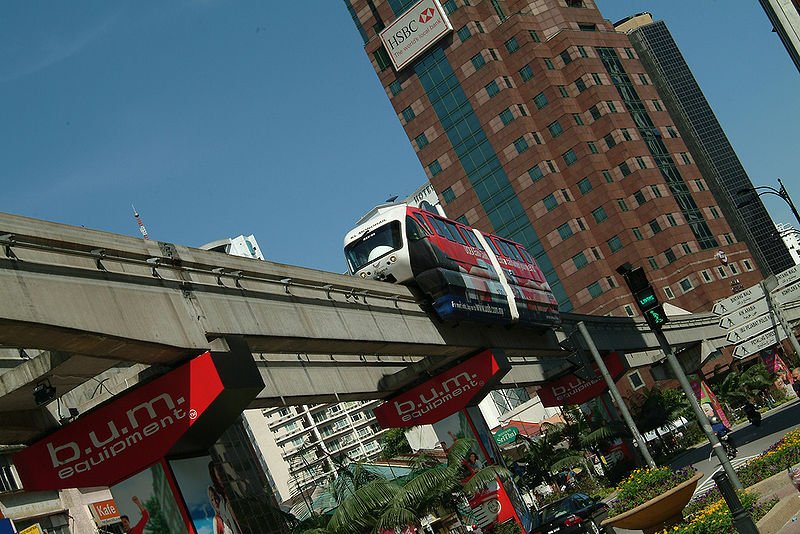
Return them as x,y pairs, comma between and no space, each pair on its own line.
767,190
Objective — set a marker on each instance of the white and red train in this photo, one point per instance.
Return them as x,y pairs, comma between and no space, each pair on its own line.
468,275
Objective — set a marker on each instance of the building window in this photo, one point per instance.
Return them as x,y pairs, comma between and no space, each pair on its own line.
657,105
564,231
614,244
629,310
747,265
700,185
607,175
478,61
534,36
578,119
637,234
669,255
596,253
550,165
408,114
592,147
671,132
507,81
596,79
537,138
550,202
656,191
714,212
610,142
463,220
686,248
721,272
540,100
651,261
493,54
562,90
448,196
569,157
611,107
623,206
492,89
382,59
435,167
587,27
580,260
599,215
584,186
582,52
685,158
464,33
639,197
686,285
395,87
643,80
421,140
595,290
636,380
581,226
522,110
594,112
625,134
624,169
479,26
706,276
580,85
668,292
640,162
728,239
549,64
629,53
565,57
535,173
512,45
671,220
526,73
654,226
449,6
506,116
565,194
521,145
574,3
555,129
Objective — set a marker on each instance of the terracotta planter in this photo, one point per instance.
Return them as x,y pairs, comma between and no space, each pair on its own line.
658,513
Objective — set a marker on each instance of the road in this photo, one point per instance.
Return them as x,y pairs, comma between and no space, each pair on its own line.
751,441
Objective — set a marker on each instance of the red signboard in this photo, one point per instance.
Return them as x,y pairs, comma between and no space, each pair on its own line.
129,432
444,394
105,512
570,389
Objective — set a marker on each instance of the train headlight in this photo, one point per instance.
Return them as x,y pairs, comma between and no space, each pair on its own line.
392,259
363,275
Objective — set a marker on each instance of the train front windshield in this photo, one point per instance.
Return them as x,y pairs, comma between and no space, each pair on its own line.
374,245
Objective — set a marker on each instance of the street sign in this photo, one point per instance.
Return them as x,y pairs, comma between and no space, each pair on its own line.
788,276
760,342
786,294
742,315
506,435
748,330
743,298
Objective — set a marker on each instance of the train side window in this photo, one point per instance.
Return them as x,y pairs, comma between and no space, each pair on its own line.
438,226
526,255
473,241
493,246
413,230
510,251
421,220
456,235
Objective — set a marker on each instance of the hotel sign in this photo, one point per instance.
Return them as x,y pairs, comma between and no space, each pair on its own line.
414,32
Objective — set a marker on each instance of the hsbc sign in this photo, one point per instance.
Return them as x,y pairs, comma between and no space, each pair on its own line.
444,394
414,32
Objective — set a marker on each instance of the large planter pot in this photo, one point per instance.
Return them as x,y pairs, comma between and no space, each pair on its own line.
659,512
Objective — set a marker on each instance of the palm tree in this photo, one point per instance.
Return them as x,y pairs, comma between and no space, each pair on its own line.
383,504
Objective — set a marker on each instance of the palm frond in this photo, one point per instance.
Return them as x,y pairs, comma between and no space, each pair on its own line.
484,477
357,512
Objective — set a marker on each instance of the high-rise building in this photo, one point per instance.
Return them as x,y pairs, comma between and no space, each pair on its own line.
705,138
791,237
537,121
785,18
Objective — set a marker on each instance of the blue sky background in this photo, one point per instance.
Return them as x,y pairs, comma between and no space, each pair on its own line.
217,118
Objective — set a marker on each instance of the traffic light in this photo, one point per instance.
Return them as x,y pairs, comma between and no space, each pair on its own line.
646,297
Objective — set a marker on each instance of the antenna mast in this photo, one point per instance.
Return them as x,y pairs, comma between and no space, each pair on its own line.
140,223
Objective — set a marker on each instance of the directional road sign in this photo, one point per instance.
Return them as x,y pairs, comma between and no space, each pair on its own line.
748,330
788,276
743,298
786,294
744,314
759,342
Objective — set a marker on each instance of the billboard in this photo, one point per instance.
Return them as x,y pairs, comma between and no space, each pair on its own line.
146,503
570,389
444,394
104,512
205,494
414,32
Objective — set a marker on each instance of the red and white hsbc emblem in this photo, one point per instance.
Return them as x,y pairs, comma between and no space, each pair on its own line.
444,394
125,435
426,15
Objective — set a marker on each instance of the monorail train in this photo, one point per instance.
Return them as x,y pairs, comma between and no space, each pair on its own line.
468,275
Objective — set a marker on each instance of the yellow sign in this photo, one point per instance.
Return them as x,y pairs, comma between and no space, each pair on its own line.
33,529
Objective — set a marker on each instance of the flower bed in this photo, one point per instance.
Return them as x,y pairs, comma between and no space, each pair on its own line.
716,518
645,484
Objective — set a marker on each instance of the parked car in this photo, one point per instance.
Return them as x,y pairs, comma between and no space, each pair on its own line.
576,513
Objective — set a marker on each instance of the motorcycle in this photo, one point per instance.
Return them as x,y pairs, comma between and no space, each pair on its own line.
727,444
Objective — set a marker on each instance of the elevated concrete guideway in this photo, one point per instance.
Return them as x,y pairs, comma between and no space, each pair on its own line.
95,302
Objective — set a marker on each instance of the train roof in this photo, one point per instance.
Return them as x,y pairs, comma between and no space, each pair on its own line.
377,210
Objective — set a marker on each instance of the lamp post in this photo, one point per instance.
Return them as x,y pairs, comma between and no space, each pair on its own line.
768,190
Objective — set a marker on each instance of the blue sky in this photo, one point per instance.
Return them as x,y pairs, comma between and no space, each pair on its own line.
217,118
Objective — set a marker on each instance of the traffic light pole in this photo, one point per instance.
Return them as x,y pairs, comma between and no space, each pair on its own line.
716,446
612,387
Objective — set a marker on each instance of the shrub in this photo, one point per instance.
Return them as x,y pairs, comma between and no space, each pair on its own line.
645,484
715,517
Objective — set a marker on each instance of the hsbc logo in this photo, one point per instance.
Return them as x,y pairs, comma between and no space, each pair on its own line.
426,15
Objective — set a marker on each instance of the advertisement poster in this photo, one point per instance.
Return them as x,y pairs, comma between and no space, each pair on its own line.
146,504
201,483
708,402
